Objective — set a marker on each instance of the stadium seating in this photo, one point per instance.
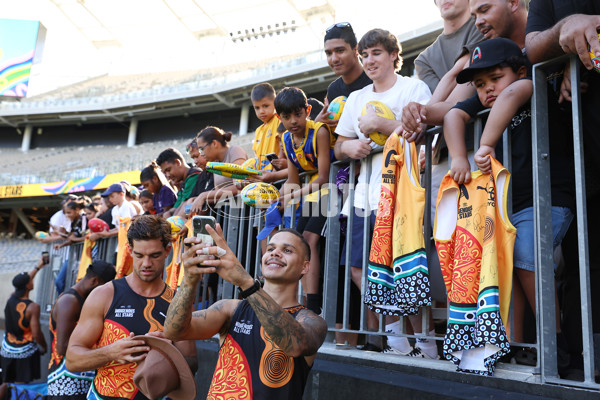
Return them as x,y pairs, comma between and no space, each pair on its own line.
77,162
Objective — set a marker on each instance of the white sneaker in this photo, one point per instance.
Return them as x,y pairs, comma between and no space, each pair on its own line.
417,352
391,350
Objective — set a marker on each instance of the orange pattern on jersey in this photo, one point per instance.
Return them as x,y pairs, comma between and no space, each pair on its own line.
461,271
232,379
55,358
381,248
154,324
276,367
114,379
27,334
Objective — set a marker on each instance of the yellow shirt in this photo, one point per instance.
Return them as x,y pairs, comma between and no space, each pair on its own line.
265,141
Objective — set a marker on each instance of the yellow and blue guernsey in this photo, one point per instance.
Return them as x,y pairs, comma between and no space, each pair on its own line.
398,277
265,142
305,157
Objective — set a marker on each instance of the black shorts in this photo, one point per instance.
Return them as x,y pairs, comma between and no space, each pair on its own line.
313,217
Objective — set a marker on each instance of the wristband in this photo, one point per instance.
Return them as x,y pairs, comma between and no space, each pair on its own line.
37,268
251,290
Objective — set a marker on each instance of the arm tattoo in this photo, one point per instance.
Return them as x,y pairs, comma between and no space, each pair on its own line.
180,311
298,337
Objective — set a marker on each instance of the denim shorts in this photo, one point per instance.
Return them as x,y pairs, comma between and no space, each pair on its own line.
524,254
358,235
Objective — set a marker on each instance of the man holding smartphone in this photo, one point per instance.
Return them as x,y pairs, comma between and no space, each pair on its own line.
275,338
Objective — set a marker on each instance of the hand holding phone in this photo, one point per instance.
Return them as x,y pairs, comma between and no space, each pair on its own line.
45,257
271,157
199,224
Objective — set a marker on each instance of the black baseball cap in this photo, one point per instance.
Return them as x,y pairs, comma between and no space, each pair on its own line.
21,280
487,54
103,270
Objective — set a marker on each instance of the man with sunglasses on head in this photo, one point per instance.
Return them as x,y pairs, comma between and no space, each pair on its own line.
341,49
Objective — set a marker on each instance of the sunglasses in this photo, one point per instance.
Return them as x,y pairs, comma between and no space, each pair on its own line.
190,146
201,149
341,25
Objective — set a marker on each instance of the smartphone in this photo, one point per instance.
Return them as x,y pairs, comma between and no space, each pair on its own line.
45,257
199,224
271,157
187,209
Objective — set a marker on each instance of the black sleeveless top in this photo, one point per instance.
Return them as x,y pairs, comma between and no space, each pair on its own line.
55,358
18,332
250,363
128,312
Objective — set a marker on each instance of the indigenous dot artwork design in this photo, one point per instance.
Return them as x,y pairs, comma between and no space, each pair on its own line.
63,382
471,326
398,276
404,287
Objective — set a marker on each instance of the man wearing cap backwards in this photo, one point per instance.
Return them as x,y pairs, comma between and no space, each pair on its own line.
268,340
114,313
62,383
23,342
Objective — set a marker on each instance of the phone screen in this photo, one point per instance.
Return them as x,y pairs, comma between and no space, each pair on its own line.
199,223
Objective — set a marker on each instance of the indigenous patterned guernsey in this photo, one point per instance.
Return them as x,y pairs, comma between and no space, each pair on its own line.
62,383
475,241
251,366
128,312
398,277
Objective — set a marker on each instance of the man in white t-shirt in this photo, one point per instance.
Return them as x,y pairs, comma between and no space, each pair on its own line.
380,52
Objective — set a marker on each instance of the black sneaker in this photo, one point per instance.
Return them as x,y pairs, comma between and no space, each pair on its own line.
370,347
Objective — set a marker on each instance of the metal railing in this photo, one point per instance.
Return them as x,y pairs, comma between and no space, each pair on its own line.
241,223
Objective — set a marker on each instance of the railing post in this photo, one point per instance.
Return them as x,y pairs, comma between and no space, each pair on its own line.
582,228
542,218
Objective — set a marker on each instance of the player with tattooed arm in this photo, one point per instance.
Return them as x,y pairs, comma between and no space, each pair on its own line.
268,340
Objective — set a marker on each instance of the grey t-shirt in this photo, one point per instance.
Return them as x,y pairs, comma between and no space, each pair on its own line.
436,60
234,153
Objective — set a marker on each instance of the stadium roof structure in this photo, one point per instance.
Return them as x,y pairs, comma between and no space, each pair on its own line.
110,98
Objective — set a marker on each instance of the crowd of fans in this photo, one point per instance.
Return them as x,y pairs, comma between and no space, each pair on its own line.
480,61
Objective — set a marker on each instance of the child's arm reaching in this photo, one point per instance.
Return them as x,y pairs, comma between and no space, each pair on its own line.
504,108
454,134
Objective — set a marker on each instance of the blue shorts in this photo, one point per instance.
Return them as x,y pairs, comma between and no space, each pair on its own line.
358,234
524,254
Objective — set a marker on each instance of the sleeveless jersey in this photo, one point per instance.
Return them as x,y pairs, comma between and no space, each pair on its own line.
251,366
265,142
305,157
18,339
62,382
398,277
475,240
128,312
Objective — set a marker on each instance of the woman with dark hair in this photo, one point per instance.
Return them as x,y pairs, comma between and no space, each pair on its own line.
163,195
74,212
23,341
212,144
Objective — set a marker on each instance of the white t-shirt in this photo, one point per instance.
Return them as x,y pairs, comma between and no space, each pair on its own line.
126,209
60,219
404,91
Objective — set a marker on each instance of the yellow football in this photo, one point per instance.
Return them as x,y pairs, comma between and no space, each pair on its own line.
336,107
381,110
259,194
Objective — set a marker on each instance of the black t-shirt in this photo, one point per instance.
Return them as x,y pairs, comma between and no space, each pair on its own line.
106,216
520,138
543,15
339,88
